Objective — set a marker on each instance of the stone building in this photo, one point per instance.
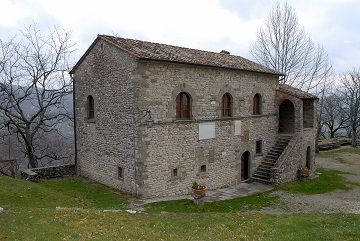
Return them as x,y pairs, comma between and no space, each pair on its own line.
151,118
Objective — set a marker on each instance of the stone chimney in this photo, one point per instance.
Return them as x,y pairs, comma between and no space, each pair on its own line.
224,52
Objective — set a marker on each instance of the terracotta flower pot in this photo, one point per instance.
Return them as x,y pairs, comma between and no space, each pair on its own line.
200,191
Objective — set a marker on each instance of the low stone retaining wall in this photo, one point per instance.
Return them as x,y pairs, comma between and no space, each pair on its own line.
49,172
9,168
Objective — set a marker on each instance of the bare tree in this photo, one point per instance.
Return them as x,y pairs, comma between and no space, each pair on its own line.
284,46
33,85
349,93
334,117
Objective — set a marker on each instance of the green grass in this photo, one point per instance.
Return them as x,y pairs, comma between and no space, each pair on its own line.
63,193
338,154
45,224
328,181
253,202
30,215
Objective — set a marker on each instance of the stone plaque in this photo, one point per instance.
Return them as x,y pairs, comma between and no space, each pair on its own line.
237,125
206,130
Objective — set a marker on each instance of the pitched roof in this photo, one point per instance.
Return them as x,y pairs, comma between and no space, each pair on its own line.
163,52
287,89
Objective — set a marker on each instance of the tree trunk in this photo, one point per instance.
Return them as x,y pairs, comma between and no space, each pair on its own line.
33,163
353,136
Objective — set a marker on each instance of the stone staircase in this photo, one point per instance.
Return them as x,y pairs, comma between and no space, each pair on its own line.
263,172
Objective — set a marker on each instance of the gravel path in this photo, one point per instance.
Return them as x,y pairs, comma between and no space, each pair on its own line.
334,202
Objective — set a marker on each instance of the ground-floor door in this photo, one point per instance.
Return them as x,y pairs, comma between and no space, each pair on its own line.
308,157
245,165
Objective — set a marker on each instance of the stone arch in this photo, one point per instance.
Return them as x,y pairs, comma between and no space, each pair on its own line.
172,102
226,89
257,90
286,117
245,165
90,107
257,104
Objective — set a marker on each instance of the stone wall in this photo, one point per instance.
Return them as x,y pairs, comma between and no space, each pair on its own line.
172,144
107,142
148,147
9,168
294,156
48,172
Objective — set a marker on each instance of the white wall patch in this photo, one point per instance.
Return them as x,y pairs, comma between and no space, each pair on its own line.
206,130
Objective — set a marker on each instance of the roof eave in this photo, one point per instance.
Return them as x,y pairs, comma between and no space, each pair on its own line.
301,98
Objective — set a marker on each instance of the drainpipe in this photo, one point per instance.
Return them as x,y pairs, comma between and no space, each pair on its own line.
75,141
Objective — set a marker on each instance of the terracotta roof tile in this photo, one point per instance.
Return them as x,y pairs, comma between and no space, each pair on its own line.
287,89
164,52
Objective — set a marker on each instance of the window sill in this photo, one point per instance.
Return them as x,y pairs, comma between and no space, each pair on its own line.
90,120
183,121
227,118
258,154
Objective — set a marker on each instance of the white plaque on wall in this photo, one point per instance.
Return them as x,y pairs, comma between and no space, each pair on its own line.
237,124
206,130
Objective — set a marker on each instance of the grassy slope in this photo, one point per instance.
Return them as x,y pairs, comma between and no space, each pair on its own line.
30,215
252,202
338,154
46,224
63,193
328,181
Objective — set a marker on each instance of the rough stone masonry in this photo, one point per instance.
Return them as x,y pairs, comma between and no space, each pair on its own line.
135,142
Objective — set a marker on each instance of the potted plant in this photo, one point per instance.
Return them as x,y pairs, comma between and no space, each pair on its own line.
303,173
198,190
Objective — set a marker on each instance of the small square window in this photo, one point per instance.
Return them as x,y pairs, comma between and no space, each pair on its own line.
203,168
175,172
120,173
259,147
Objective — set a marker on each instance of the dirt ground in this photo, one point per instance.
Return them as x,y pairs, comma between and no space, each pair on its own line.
338,201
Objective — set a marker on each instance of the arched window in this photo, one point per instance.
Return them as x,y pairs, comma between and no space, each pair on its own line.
257,104
90,107
183,106
226,105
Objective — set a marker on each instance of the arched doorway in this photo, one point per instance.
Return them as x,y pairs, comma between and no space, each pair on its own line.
245,165
286,117
308,157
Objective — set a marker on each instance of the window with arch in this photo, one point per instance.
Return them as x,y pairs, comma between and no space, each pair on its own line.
90,107
183,106
226,105
257,104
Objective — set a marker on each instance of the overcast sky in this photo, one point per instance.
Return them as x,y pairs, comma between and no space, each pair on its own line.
204,24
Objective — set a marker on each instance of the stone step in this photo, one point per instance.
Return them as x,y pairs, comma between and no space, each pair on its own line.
261,179
274,151
282,141
281,144
263,168
272,155
271,158
278,148
262,173
267,164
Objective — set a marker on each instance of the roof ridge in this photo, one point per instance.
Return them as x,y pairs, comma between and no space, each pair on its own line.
106,36
153,51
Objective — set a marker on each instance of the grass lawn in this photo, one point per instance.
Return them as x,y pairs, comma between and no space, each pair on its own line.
48,224
63,193
328,181
30,214
340,154
252,202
